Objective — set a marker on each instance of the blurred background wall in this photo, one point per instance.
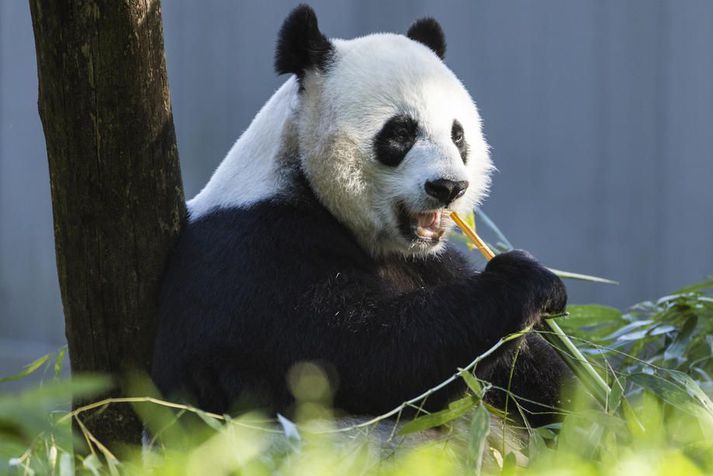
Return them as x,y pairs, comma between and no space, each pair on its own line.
599,112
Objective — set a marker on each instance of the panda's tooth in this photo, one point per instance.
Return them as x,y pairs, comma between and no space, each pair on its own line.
424,232
427,219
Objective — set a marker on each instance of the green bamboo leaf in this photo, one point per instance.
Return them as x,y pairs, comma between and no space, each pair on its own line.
679,345
27,370
592,322
93,464
58,361
497,412
692,389
509,464
209,420
681,391
652,331
629,328
472,383
479,429
661,329
662,388
536,444
587,315
697,287
455,410
55,392
615,396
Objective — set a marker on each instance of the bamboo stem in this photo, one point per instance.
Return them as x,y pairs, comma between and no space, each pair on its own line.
470,233
557,338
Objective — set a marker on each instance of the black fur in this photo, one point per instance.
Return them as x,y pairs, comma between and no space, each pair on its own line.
250,292
300,44
395,139
532,375
429,32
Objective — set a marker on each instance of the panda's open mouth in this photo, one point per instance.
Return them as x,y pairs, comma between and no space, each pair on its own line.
428,226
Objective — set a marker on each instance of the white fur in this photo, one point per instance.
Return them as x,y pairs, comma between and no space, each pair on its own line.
251,170
372,79
334,121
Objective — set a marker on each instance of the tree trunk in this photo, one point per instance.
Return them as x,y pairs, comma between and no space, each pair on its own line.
117,196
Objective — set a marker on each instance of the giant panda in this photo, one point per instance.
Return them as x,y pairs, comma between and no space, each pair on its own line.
323,237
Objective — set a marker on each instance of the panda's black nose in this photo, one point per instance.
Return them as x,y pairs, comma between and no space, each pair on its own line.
444,190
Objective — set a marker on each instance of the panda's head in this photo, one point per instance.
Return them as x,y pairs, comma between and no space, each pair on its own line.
389,139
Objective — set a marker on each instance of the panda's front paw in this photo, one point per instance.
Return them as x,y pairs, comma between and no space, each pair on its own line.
542,292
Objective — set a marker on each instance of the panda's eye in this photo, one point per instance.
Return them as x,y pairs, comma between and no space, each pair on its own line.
458,138
457,134
395,139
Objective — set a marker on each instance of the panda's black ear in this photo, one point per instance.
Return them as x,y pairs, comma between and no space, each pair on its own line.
300,44
429,32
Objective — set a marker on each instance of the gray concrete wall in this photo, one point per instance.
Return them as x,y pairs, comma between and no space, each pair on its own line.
600,114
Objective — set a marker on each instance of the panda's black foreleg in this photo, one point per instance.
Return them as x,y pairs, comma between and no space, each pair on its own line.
528,382
414,341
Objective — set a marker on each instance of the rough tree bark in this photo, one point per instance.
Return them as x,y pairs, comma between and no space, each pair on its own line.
117,195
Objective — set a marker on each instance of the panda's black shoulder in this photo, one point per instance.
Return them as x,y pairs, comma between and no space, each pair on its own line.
234,269
231,256
268,228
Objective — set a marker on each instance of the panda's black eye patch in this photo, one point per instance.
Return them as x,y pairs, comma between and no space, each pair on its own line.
458,138
395,139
